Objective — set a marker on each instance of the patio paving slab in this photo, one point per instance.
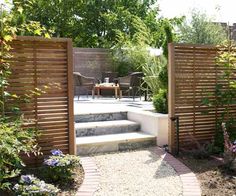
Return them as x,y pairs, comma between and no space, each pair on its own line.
105,105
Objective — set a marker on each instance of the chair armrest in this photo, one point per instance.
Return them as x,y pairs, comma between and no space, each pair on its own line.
88,80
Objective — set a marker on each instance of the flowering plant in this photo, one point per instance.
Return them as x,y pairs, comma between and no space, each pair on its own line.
230,150
60,167
234,147
229,146
30,185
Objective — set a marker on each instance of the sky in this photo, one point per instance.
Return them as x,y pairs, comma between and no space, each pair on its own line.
220,10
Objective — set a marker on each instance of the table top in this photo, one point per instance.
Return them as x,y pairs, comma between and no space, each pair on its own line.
106,86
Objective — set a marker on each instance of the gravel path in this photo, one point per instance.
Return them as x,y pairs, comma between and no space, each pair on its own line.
136,173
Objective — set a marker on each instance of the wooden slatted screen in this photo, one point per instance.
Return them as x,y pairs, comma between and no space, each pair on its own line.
46,64
193,75
92,61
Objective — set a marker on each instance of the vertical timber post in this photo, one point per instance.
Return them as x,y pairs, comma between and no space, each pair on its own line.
171,97
70,89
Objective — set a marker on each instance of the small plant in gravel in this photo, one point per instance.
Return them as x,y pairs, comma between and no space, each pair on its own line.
199,150
32,186
60,168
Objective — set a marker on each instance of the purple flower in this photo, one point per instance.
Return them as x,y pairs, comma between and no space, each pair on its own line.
51,162
234,143
27,179
56,152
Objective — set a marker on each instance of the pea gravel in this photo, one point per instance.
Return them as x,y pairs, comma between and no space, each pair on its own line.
138,173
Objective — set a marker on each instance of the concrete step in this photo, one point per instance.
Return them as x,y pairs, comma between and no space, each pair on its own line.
105,127
113,142
94,117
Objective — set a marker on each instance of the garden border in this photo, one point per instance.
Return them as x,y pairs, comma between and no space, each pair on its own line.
191,185
91,177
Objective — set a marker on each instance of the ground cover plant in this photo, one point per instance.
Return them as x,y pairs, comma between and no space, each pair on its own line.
59,173
30,185
60,167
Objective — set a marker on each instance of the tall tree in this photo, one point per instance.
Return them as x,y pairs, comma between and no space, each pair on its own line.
202,30
96,23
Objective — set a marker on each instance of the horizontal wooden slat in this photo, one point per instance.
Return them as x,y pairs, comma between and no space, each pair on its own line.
196,75
42,63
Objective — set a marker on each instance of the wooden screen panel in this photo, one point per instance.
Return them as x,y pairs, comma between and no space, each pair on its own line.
193,75
45,64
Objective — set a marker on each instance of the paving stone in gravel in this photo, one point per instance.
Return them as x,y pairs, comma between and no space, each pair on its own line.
138,173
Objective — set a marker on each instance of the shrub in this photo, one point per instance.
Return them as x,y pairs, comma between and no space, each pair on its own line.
32,186
129,58
14,140
160,101
60,167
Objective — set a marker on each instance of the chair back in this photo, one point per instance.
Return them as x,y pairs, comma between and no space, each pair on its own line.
77,79
136,79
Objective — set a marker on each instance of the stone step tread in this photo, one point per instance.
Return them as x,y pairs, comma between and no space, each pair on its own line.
114,138
95,117
112,123
99,112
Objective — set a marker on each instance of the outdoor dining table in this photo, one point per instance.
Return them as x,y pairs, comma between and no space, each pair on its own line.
107,86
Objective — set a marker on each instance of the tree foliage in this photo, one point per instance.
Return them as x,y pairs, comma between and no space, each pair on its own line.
202,30
9,30
95,23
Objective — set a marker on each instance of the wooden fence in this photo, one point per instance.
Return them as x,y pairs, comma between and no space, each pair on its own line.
193,75
46,64
91,62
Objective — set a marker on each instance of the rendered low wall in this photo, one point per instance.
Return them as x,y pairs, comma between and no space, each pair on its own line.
153,123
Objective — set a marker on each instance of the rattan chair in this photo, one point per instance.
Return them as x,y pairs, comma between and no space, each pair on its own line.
84,83
131,84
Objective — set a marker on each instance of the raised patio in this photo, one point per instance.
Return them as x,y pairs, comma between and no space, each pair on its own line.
109,124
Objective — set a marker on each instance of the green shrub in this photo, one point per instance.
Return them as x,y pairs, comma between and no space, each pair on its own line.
129,58
31,186
152,70
163,76
160,102
14,141
60,167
